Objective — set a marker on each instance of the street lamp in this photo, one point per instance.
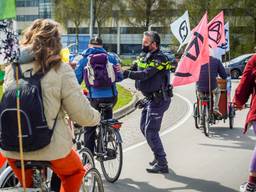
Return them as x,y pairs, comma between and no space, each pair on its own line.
149,27
91,18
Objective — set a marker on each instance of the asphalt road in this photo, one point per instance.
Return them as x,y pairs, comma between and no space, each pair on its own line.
196,163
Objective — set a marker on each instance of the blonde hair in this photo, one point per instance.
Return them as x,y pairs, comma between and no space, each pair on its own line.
44,38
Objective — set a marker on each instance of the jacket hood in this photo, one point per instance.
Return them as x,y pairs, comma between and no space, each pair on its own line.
93,50
26,55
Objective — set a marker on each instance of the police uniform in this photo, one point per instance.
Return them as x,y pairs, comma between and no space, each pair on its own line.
152,74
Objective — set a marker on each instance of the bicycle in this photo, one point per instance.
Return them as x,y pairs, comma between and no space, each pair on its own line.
203,112
205,115
42,174
108,148
41,178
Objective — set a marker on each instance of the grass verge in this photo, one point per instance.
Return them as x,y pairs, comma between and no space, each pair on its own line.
124,96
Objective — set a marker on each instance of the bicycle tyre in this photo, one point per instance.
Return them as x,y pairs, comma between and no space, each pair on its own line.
86,156
206,121
8,178
231,116
92,181
119,151
196,116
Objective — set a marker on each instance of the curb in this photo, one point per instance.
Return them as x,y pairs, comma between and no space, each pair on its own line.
125,110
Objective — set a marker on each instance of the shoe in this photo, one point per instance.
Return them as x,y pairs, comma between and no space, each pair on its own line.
248,187
158,169
152,163
217,113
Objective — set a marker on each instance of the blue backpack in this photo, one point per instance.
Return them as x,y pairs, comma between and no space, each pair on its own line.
35,131
99,72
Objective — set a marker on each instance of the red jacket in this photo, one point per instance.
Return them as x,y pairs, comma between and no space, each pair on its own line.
247,87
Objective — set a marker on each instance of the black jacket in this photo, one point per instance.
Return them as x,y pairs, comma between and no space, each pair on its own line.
149,79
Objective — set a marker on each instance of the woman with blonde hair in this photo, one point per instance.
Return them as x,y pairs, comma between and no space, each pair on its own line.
61,93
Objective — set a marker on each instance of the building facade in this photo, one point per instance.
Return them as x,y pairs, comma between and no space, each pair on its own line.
119,38
29,10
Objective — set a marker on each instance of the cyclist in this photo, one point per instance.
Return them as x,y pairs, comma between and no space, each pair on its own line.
40,50
101,94
216,68
245,89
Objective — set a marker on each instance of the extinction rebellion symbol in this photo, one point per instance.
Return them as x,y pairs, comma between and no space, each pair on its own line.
193,45
183,30
215,31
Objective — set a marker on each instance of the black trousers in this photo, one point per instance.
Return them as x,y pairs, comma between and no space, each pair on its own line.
90,132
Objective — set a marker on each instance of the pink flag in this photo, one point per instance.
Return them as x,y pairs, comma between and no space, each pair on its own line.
216,30
195,55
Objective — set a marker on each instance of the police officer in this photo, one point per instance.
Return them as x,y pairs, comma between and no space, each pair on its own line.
151,74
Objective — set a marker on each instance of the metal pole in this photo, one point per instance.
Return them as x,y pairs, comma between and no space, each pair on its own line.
210,88
91,18
118,36
149,27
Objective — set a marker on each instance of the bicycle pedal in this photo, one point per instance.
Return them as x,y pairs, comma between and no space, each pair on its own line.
111,154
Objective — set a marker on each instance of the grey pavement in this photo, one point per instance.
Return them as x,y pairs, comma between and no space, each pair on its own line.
196,163
130,130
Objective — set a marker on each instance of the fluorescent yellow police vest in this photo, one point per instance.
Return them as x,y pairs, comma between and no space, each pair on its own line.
160,66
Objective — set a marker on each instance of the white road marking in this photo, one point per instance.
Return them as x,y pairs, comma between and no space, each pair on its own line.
171,128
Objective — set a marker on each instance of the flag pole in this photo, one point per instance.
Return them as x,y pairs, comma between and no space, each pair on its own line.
210,89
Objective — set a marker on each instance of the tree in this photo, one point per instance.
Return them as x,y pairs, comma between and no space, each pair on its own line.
103,10
74,11
197,8
144,13
244,9
242,34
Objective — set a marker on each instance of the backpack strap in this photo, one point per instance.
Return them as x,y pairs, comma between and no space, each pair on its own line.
90,91
112,88
38,75
56,118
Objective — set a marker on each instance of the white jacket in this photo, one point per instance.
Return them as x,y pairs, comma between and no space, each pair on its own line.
60,91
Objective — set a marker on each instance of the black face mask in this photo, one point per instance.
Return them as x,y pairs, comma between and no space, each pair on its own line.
145,48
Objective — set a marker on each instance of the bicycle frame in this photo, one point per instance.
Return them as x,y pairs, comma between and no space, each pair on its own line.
105,127
204,101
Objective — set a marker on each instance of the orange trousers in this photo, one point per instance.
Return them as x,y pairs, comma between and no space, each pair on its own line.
69,169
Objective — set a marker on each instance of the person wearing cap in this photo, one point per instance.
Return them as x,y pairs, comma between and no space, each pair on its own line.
97,95
152,76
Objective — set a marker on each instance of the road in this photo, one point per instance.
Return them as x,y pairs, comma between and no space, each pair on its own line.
196,163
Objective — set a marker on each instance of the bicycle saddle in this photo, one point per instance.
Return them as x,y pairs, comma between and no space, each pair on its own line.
105,105
33,164
109,121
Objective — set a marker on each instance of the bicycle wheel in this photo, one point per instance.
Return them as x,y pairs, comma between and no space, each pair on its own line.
206,120
196,115
231,116
111,165
86,156
8,179
92,181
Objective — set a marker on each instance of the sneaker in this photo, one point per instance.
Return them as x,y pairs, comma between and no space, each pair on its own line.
152,163
158,169
248,187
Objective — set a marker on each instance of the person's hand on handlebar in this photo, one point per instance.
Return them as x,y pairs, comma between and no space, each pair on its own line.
237,106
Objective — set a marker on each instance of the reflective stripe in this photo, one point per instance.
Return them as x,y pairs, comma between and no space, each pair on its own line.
161,66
